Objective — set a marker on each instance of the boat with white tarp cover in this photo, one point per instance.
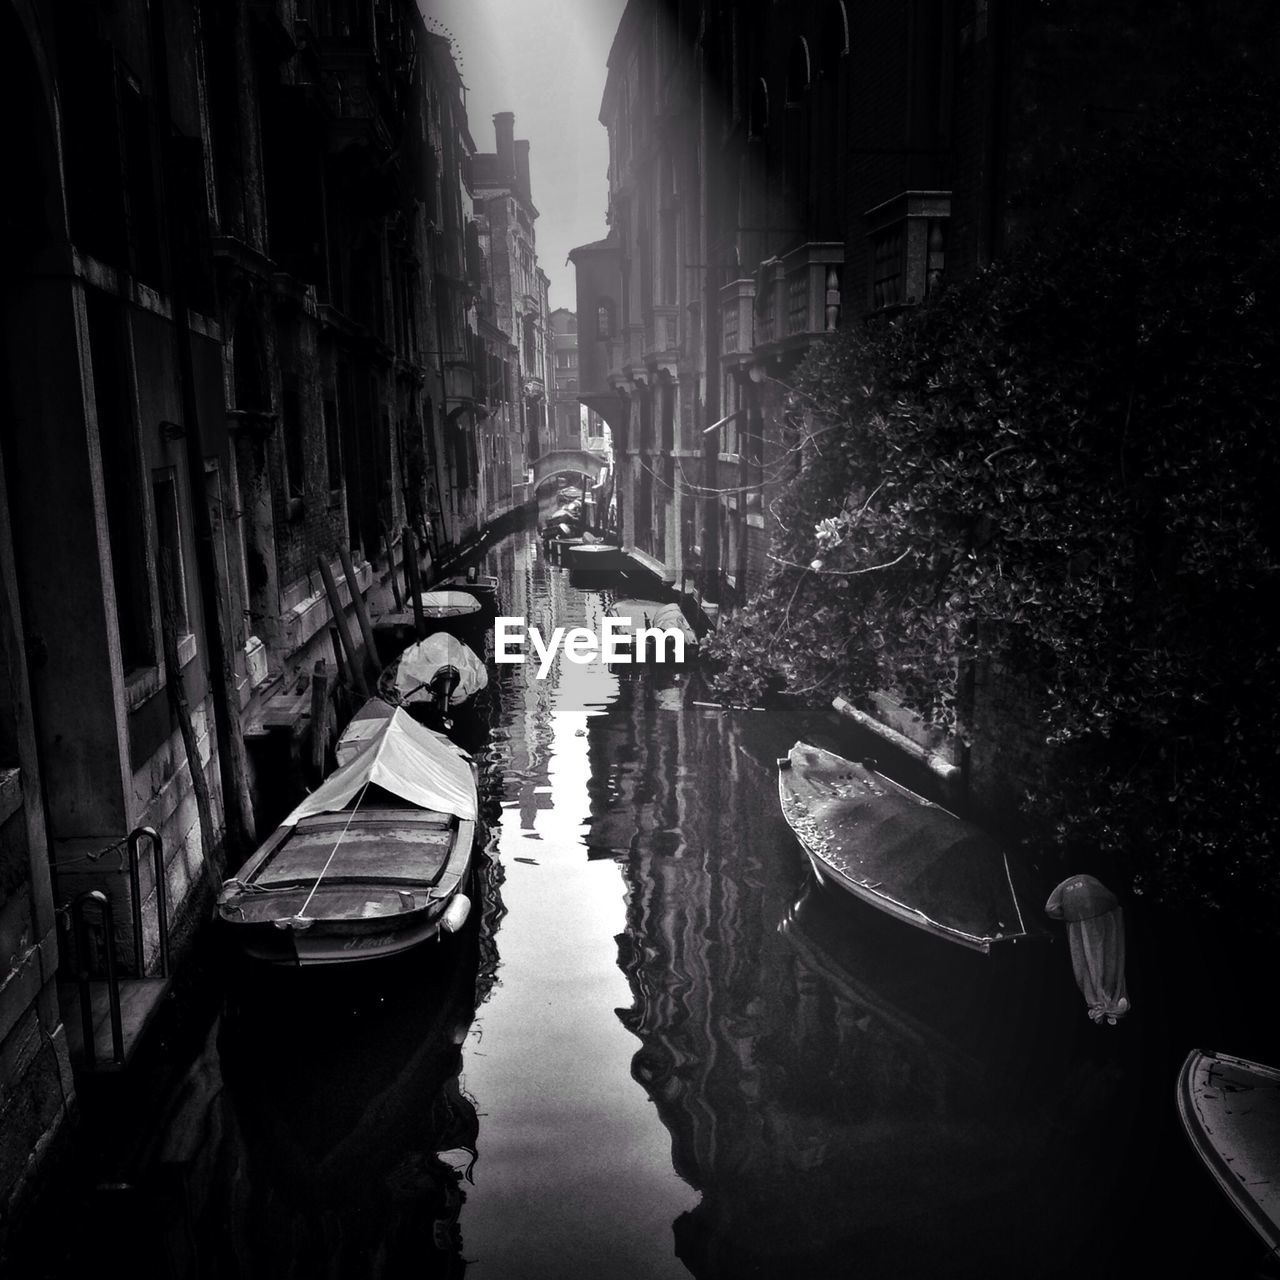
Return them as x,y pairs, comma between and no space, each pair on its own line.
636,616
897,851
440,672
372,863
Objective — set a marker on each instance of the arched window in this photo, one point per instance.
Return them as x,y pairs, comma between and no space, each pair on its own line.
475,259
798,72
835,38
758,114
604,319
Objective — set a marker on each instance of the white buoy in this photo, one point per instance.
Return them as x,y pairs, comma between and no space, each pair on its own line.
456,913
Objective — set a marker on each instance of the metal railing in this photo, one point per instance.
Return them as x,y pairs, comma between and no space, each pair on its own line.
95,900
84,975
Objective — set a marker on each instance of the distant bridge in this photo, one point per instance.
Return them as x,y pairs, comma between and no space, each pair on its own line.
567,461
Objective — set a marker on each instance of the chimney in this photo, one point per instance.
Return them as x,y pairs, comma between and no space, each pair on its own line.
522,169
504,125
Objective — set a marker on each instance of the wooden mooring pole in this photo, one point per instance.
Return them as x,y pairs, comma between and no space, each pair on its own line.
340,622
372,665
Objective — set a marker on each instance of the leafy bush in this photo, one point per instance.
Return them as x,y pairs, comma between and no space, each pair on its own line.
1069,466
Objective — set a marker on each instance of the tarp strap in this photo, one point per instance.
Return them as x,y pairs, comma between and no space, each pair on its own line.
302,911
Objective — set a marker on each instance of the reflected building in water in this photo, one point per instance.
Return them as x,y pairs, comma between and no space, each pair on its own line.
816,1103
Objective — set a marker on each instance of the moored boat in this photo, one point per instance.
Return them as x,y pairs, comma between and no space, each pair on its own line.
1230,1109
598,557
654,615
871,837
439,675
441,604
483,586
372,863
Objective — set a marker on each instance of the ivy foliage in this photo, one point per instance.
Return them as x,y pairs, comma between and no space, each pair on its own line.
1066,470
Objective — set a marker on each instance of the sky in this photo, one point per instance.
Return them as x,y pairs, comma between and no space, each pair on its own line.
544,60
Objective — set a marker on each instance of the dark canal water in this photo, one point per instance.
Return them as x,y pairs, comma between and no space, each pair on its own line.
656,1052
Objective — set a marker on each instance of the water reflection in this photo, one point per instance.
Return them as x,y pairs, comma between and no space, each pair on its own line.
655,1051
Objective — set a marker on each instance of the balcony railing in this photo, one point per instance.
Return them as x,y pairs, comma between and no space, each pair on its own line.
908,248
737,327
812,275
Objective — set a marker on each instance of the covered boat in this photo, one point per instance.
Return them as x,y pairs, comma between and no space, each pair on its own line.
370,864
871,837
654,615
440,673
1230,1108
449,603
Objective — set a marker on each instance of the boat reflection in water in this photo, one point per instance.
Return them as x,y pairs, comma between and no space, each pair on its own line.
327,1133
848,1094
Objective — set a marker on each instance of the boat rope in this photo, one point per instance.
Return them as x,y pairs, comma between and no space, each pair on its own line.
302,910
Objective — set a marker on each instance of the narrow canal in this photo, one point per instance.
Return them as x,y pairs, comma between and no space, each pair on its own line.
655,1052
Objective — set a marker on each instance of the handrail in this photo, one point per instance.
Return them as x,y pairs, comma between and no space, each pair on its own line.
135,838
95,897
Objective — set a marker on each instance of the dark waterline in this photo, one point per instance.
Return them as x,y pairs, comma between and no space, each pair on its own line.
656,1051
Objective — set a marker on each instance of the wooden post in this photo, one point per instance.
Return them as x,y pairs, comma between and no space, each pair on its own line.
339,666
340,622
362,614
406,541
320,682
391,568
415,582
211,864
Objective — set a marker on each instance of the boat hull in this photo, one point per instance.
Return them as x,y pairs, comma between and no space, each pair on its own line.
593,557
869,837
1230,1109
326,943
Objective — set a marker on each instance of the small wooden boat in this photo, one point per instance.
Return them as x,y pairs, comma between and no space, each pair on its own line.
654,615
1230,1108
483,586
370,864
867,835
596,557
564,522
440,674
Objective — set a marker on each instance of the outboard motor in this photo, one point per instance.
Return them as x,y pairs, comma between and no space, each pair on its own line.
442,686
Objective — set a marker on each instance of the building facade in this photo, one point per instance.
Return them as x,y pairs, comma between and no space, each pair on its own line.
513,307
244,342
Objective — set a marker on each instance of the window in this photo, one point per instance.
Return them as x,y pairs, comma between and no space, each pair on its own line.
332,445
295,465
140,183
835,38
164,489
758,112
798,72
121,478
604,319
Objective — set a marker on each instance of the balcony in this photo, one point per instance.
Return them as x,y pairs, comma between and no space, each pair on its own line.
737,328
908,249
799,297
